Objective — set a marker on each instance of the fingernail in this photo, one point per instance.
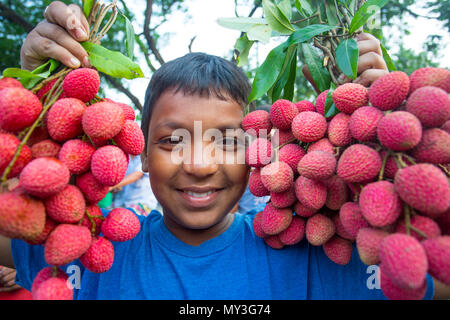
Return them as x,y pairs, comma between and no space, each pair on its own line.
79,33
86,62
75,62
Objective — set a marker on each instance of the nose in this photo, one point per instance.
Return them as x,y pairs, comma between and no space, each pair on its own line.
202,162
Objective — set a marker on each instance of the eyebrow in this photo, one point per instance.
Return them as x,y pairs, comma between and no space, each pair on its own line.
176,125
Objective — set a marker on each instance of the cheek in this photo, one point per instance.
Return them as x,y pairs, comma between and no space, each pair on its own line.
238,174
160,168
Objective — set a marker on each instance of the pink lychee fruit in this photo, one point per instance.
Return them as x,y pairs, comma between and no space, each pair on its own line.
274,220
350,96
103,120
319,229
274,242
311,193
368,244
120,225
425,225
51,284
338,250
337,193
8,147
389,91
303,211
257,123
92,189
394,292
434,147
67,206
255,184
323,144
436,77
7,82
364,122
76,154
317,165
438,255
257,229
130,139
95,219
45,148
294,233
305,105
64,119
259,153
339,130
399,131
282,113
291,154
99,257
359,163
277,176
109,165
82,83
320,102
283,199
309,126
352,219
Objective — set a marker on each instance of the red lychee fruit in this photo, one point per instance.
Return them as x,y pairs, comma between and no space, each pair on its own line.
277,176
282,113
291,154
320,102
317,165
50,224
424,187
338,250
120,225
350,96
305,105
446,126
352,219
76,154
436,77
425,225
130,139
394,292
283,199
255,184
430,105
294,233
319,229
7,82
283,136
438,255
359,163
434,147
311,193
100,255
66,243
19,108
92,189
51,284
364,122
257,229
39,134
389,91
274,242
95,216
103,120
340,230
309,126
368,244
404,260
82,83
43,177
391,166
64,119
67,206
322,145
337,193
109,165
8,147
380,205
339,130
45,148
303,211
274,220
259,153
399,131
256,123
128,111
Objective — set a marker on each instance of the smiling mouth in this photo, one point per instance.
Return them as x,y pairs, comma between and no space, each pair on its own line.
199,198
199,195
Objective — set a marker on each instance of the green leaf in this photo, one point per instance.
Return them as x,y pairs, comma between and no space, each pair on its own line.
130,38
282,79
306,33
331,13
290,84
286,8
112,63
47,68
260,32
276,19
319,73
268,72
368,9
87,7
27,78
347,54
242,24
330,107
390,64
243,45
303,5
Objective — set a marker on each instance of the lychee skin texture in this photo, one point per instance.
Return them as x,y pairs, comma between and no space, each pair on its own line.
317,165
337,193
438,254
46,148
389,91
97,218
311,193
319,229
391,167
349,97
109,165
404,260
100,255
277,176
82,83
76,154
430,105
282,113
19,108
21,217
255,122
399,131
434,147
66,243
128,111
444,222
305,105
120,225
424,187
446,126
291,154
340,230
103,120
359,163
338,250
380,205
284,136
352,219
43,177
320,102
130,139
259,153
294,233
364,122
93,190
255,184
53,287
8,146
303,211
257,225
339,130
64,119
275,220
428,226
274,242
67,206
435,77
7,82
309,126
50,224
323,144
283,199
393,292
368,243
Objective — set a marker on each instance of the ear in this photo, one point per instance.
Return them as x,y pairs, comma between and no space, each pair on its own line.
144,161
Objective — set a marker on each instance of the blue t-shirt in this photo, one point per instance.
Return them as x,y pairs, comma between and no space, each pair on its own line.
234,265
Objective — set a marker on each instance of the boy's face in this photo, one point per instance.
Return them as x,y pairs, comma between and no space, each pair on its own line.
195,193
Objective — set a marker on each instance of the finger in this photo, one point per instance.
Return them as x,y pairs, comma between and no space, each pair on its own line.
366,36
80,15
366,46
47,48
64,39
10,283
369,76
61,14
9,277
370,60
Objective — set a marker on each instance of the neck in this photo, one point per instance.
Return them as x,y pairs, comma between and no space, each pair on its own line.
196,237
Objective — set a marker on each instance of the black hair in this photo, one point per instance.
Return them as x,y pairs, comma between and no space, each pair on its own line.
196,74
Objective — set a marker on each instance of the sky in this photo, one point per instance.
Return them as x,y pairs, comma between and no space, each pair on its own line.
200,21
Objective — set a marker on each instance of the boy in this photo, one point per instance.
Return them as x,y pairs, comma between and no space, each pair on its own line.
197,249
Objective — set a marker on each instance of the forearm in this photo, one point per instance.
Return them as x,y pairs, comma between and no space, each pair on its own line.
441,291
129,179
5,252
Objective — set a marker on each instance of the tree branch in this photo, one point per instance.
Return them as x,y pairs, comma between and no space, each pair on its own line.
12,16
118,85
147,32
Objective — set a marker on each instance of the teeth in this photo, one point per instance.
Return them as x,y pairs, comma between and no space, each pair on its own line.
199,195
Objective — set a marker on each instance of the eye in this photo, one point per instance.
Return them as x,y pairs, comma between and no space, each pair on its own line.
171,141
229,143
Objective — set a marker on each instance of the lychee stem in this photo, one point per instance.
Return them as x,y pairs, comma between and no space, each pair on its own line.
444,169
383,166
409,158
406,209
54,271
418,231
93,224
400,162
291,141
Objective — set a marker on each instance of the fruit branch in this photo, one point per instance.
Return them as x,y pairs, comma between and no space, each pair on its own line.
407,212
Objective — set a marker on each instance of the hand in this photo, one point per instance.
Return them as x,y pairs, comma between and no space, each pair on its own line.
115,189
7,276
57,37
